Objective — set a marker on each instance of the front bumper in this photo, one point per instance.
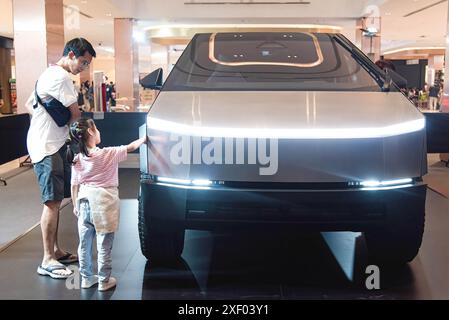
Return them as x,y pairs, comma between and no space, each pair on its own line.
326,209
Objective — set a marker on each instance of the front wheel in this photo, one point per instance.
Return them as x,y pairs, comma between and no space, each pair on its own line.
159,246
399,241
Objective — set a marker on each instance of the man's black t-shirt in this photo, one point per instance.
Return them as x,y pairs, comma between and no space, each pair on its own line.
433,92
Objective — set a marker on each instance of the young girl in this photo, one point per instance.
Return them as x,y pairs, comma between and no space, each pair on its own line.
95,199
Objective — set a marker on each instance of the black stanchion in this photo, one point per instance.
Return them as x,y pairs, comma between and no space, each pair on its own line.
13,135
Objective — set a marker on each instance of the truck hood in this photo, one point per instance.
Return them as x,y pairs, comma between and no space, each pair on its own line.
285,114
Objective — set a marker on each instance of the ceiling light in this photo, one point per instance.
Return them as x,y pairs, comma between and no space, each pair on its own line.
245,3
413,49
107,49
273,26
139,36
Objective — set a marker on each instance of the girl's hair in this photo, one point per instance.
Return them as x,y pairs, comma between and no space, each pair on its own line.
79,135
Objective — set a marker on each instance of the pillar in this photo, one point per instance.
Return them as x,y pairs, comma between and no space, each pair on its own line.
435,63
126,63
38,41
87,75
368,36
445,99
430,74
5,74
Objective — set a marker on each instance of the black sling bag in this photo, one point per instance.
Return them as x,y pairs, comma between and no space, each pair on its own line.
59,113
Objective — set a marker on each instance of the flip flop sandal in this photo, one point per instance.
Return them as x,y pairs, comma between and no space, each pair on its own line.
50,271
68,258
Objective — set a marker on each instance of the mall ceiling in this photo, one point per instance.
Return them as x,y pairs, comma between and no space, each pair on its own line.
405,23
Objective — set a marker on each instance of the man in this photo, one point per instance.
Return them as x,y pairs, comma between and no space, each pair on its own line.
433,96
108,92
385,64
90,97
46,146
2,103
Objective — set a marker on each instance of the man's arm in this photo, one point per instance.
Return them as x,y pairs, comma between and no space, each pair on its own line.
29,104
75,111
136,144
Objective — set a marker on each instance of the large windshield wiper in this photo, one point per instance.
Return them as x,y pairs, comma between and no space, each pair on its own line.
363,60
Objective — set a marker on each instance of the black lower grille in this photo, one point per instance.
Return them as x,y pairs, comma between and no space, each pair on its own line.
341,211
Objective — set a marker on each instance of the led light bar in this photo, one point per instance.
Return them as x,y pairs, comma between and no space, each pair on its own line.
201,182
387,188
186,187
328,133
373,183
174,181
197,182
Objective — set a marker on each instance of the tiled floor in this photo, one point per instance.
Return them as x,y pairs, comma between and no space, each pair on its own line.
20,207
239,265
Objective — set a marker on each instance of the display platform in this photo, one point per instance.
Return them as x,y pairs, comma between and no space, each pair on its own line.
237,265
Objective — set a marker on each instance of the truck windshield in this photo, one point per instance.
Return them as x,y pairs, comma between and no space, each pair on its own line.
268,61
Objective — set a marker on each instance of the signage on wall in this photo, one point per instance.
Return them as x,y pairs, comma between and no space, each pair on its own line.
6,43
412,62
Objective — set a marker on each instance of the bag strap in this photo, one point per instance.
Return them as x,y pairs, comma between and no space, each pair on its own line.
37,97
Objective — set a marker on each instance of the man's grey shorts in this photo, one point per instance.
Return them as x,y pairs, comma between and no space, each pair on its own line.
53,175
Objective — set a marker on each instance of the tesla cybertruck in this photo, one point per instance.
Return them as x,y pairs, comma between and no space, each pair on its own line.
271,130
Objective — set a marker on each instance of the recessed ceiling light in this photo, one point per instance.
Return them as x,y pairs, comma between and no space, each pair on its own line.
109,14
139,36
388,13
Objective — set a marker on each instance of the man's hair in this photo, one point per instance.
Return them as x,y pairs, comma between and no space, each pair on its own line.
385,64
78,134
79,46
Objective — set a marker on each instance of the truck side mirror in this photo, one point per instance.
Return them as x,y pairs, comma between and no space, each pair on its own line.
152,80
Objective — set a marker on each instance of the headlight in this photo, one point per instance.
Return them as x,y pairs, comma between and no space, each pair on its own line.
201,182
197,183
382,185
385,183
174,181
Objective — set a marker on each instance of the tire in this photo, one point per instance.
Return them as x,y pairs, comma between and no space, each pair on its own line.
159,247
399,241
